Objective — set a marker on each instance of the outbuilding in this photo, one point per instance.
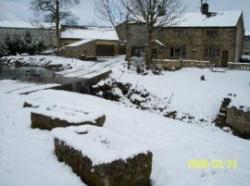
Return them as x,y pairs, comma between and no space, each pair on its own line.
89,42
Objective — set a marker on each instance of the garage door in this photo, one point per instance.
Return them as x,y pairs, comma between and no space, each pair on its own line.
105,50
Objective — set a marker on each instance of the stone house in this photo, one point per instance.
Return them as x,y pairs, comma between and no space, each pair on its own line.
214,37
247,43
18,28
88,42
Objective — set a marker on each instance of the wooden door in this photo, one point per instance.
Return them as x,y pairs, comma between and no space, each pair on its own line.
105,50
224,58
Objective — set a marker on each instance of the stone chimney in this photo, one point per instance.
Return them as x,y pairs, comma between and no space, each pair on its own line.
205,8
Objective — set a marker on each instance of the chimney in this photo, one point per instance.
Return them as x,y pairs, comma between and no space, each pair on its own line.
205,8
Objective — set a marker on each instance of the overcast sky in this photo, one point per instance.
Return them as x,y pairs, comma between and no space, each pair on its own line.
20,9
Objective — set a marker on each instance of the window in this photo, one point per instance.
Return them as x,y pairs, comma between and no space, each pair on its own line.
179,33
155,53
137,51
178,52
172,52
212,52
212,33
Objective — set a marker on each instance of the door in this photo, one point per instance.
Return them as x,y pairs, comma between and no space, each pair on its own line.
224,59
105,50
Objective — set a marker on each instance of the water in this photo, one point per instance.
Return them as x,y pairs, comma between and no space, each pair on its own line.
36,74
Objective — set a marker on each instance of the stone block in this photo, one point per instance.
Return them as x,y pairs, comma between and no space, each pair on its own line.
102,158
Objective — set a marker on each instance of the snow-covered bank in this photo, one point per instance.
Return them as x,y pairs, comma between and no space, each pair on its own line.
27,155
61,63
200,99
67,67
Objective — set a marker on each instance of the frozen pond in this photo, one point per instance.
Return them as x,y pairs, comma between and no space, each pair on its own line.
37,74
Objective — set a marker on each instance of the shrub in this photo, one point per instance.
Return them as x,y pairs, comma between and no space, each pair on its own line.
21,44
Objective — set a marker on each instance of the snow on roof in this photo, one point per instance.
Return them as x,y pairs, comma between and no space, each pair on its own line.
222,19
159,42
90,33
78,43
101,145
22,24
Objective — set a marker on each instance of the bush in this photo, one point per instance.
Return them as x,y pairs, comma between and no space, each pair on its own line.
21,44
3,51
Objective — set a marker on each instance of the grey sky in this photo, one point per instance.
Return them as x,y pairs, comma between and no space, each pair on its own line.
20,9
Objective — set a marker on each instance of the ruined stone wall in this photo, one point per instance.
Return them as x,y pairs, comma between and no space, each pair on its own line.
239,121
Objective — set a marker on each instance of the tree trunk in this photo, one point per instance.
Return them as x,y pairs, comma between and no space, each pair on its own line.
128,52
149,47
57,19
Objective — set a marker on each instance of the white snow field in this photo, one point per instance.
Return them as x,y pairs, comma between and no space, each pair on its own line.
27,159
187,93
26,155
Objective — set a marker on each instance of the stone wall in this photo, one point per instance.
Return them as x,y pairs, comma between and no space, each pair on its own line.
239,40
65,41
48,123
239,121
134,171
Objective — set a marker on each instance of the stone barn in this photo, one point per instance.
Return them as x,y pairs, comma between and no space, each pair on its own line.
42,32
89,42
214,37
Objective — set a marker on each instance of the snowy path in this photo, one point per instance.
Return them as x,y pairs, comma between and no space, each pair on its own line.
26,155
88,68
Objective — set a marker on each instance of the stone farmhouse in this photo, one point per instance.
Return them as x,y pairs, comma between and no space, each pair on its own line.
214,37
89,42
18,28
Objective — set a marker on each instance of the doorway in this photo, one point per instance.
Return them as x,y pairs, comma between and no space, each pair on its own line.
224,60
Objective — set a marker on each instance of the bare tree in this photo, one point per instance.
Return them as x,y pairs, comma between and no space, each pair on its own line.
155,14
109,10
54,11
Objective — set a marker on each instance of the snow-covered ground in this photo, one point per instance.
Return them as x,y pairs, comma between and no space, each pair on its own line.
68,67
45,61
26,155
201,99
